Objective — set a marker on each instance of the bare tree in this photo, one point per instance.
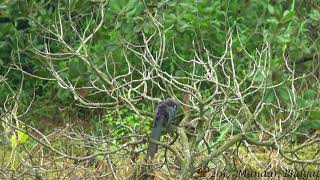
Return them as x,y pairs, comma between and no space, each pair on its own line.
225,108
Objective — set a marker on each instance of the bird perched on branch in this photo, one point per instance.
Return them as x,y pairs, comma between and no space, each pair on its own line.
162,123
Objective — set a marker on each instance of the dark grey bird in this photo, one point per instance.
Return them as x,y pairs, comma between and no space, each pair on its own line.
162,123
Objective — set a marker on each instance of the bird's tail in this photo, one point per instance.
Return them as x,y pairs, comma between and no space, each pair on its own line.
153,148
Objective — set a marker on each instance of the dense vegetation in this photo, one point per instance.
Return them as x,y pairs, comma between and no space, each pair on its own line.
79,81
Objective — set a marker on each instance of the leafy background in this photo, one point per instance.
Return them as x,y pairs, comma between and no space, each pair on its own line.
291,28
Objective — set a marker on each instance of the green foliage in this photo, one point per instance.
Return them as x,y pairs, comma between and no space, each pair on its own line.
18,138
311,124
120,124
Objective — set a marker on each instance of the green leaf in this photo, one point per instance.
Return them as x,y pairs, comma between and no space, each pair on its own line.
22,137
116,5
310,94
269,97
288,15
311,124
284,94
271,9
225,129
18,138
315,114
132,4
259,77
302,103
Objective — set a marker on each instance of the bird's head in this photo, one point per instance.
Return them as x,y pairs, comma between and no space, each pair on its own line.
172,103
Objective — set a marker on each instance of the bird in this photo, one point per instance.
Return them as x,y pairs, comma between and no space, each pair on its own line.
162,123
